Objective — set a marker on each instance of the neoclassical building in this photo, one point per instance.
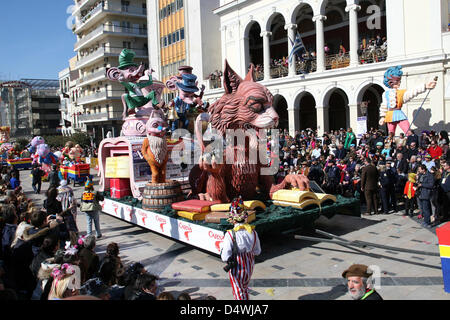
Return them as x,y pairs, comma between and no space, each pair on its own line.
350,44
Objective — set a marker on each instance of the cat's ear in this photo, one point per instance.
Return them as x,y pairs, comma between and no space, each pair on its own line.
231,80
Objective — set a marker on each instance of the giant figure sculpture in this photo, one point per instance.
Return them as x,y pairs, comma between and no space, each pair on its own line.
154,147
142,90
245,105
186,85
394,98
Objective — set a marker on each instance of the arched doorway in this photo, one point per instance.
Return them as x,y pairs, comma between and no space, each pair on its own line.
255,44
307,111
278,47
372,31
302,17
337,110
369,101
336,34
281,107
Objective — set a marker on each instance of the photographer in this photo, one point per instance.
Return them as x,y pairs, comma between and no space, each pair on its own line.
240,246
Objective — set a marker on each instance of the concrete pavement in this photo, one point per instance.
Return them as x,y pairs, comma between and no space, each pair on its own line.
287,269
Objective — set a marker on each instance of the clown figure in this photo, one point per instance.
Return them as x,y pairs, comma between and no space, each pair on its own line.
394,99
245,238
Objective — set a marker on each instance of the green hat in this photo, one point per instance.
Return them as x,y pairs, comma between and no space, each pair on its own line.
126,59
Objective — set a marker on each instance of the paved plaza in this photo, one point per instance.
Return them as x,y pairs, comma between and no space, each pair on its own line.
287,269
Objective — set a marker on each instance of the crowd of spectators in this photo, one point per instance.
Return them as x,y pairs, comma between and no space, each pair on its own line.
335,161
44,255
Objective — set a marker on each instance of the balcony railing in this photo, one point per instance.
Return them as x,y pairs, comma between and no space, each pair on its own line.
337,61
373,55
110,29
97,74
94,117
99,96
112,8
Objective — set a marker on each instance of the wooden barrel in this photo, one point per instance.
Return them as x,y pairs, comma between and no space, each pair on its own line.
156,196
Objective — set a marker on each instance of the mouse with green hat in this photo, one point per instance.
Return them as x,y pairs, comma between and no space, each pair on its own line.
143,92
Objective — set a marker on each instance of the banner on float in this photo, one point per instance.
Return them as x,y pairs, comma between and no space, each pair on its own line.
190,233
141,168
361,126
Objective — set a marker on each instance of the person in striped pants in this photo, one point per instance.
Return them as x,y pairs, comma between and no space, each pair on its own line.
248,246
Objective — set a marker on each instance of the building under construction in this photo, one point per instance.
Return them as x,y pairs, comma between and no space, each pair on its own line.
30,107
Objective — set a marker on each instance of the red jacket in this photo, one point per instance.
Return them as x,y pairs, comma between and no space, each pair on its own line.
409,187
435,152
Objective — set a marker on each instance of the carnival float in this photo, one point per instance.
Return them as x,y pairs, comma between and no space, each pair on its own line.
178,186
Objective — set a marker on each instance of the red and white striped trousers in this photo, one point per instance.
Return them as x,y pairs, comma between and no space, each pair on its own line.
240,276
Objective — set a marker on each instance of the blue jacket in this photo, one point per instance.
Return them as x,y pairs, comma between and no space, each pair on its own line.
14,183
427,181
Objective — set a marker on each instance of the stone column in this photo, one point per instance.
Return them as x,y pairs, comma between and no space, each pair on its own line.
293,120
322,119
245,42
353,115
266,50
320,42
354,35
291,28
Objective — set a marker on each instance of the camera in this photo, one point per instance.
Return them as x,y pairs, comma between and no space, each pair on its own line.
231,264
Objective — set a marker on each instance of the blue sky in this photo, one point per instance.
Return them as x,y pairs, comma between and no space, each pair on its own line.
34,39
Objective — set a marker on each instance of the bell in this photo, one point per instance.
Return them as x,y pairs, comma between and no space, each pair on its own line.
172,114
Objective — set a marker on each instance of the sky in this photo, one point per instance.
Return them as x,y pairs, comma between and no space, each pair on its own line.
35,42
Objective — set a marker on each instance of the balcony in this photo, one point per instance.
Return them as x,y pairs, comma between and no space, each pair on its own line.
101,52
95,117
93,77
110,29
103,9
99,96
82,4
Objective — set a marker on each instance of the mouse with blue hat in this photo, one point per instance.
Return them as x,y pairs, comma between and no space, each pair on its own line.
142,90
186,85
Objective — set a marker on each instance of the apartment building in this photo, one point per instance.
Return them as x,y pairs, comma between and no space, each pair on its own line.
70,111
181,33
30,107
103,30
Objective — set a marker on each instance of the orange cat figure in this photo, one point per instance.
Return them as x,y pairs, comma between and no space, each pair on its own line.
154,147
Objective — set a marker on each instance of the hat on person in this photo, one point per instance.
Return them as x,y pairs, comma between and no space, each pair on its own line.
357,270
126,58
89,184
380,143
238,211
189,83
412,177
94,287
428,156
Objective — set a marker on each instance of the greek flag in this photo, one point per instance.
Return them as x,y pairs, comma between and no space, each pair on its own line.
297,47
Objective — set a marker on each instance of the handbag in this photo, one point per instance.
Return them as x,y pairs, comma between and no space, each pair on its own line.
232,260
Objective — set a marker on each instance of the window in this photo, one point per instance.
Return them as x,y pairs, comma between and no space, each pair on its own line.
127,45
182,34
165,42
174,37
177,33
169,38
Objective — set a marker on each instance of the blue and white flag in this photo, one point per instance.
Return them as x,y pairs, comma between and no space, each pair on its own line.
297,47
